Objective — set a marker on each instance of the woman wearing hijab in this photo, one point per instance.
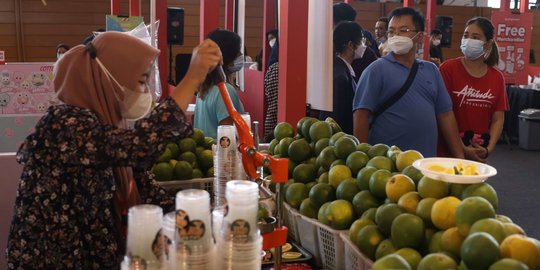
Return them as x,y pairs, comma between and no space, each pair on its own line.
83,168
271,79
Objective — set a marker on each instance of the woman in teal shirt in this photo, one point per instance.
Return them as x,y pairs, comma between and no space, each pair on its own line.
210,110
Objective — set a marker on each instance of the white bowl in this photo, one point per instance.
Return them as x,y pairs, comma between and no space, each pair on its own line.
484,170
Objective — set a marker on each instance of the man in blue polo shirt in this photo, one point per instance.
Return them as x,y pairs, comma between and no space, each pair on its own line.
411,122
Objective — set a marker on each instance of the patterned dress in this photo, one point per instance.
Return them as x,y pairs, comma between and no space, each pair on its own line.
271,95
64,212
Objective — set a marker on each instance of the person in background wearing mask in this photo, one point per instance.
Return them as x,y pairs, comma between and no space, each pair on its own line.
347,46
435,50
381,26
411,122
83,168
344,12
271,37
61,49
210,110
477,89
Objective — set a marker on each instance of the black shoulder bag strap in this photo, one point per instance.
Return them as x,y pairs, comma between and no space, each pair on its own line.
394,98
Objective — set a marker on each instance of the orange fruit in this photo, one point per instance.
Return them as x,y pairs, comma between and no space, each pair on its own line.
443,212
398,185
521,248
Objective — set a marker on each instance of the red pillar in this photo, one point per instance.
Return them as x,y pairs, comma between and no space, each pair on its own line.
115,7
209,17
505,5
134,7
408,3
269,23
430,25
163,59
523,6
292,60
229,15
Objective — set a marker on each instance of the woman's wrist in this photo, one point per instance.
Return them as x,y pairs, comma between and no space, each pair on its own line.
487,152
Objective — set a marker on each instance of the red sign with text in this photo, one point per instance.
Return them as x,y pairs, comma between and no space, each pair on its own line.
513,37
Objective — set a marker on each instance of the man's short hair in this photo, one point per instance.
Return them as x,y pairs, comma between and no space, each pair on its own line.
417,17
435,32
343,12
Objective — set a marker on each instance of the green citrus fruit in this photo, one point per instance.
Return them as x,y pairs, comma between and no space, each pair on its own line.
356,226
320,145
508,264
283,130
407,230
385,215
379,149
205,159
197,173
306,125
165,156
409,201
406,158
163,171
272,146
183,170
175,150
363,201
363,176
321,215
368,239
364,147
437,261
304,173
337,174
356,161
431,188
381,162
326,157
190,158
344,146
443,212
335,137
423,209
340,214
198,136
413,173
319,130
187,145
295,194
384,248
322,193
370,214
377,183
412,256
483,190
471,210
284,146
308,209
480,250
299,150
491,226
392,261
347,189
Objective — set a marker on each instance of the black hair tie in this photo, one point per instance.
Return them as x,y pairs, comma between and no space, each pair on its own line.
91,50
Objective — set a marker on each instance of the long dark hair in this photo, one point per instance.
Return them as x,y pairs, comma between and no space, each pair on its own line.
492,57
229,43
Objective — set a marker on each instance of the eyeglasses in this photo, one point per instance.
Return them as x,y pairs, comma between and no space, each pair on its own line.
400,32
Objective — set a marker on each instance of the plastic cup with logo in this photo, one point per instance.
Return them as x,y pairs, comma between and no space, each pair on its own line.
145,240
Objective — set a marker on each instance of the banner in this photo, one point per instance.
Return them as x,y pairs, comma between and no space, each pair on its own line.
513,37
122,24
26,88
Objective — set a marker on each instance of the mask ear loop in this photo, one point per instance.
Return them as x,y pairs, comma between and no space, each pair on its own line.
93,54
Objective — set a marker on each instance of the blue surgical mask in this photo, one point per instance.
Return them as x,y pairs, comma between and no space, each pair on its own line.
238,64
472,49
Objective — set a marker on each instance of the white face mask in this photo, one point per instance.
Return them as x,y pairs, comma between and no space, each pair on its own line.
472,49
436,42
272,42
59,55
136,104
400,45
359,52
238,64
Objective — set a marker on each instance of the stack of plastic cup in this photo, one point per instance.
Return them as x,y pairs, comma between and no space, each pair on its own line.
240,242
194,242
145,241
225,162
169,230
